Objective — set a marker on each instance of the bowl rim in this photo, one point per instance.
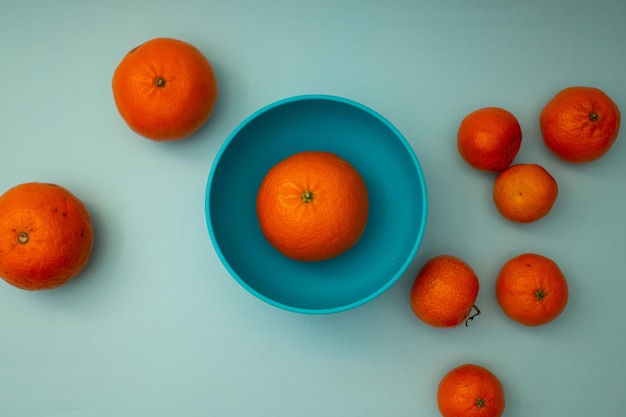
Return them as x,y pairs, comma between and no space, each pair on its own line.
324,97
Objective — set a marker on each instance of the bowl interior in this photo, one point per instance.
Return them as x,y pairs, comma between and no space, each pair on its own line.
396,190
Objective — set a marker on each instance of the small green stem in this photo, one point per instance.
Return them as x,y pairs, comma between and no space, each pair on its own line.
307,196
22,238
540,294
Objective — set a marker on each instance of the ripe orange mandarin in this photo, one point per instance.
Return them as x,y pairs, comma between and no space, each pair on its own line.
470,391
312,206
580,124
531,289
525,193
164,89
444,291
489,139
46,236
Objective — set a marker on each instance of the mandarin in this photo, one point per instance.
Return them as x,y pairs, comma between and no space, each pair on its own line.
470,390
46,236
312,206
531,289
580,124
164,89
444,292
489,139
525,193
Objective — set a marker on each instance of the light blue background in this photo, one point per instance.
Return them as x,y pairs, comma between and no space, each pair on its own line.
156,327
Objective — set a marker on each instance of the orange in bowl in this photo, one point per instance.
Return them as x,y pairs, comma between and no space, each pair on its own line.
312,206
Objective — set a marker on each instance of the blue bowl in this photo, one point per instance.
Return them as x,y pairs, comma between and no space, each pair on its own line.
397,194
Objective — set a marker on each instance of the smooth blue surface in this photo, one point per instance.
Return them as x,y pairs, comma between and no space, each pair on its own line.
396,192
155,326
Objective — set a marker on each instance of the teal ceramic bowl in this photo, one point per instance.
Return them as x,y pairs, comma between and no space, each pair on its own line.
397,195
